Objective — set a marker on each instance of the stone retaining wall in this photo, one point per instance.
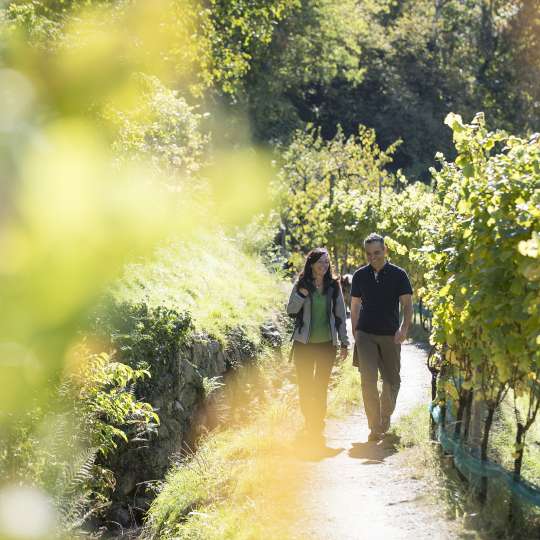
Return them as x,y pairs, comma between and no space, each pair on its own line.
176,391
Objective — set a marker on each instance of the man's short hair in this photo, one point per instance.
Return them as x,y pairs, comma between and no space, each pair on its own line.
373,237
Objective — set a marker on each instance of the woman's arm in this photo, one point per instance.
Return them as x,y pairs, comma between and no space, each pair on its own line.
341,312
296,300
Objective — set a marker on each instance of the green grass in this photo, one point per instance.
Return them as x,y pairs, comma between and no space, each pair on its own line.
423,459
241,483
450,493
413,428
503,439
345,390
208,276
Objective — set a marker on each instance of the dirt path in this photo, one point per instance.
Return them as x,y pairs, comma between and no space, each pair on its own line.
364,492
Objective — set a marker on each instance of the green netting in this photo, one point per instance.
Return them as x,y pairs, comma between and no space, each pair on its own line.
474,468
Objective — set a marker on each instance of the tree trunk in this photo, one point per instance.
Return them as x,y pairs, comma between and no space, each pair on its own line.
513,511
443,416
461,409
482,496
468,413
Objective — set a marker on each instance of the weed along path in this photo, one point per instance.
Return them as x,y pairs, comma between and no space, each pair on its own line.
365,491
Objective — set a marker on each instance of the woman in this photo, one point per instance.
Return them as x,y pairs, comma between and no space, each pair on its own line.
317,302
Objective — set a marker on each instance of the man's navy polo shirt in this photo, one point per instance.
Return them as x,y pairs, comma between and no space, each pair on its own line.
379,313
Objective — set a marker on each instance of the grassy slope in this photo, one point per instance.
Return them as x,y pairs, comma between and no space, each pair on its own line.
241,483
218,494
211,278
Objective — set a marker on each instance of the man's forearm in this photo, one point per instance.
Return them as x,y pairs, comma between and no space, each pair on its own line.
407,317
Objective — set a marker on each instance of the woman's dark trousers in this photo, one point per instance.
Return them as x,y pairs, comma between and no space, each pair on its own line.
314,363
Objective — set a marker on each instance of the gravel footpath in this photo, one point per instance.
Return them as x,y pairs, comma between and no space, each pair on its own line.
364,492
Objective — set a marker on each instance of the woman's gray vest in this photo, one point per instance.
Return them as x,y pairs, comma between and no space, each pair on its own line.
299,306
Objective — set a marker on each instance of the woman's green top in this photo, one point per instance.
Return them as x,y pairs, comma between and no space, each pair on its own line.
320,325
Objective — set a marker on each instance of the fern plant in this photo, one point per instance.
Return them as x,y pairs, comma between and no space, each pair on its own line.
60,449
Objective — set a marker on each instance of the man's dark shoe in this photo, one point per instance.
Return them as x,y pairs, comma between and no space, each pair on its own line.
375,436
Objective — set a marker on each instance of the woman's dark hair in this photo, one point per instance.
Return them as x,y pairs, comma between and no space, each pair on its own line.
305,279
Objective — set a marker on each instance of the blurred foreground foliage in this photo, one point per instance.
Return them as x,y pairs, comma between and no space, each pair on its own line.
102,157
100,160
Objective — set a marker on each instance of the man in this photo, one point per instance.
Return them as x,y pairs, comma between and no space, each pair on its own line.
377,290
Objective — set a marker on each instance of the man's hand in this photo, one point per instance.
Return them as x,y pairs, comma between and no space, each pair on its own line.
406,303
400,336
343,353
305,292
